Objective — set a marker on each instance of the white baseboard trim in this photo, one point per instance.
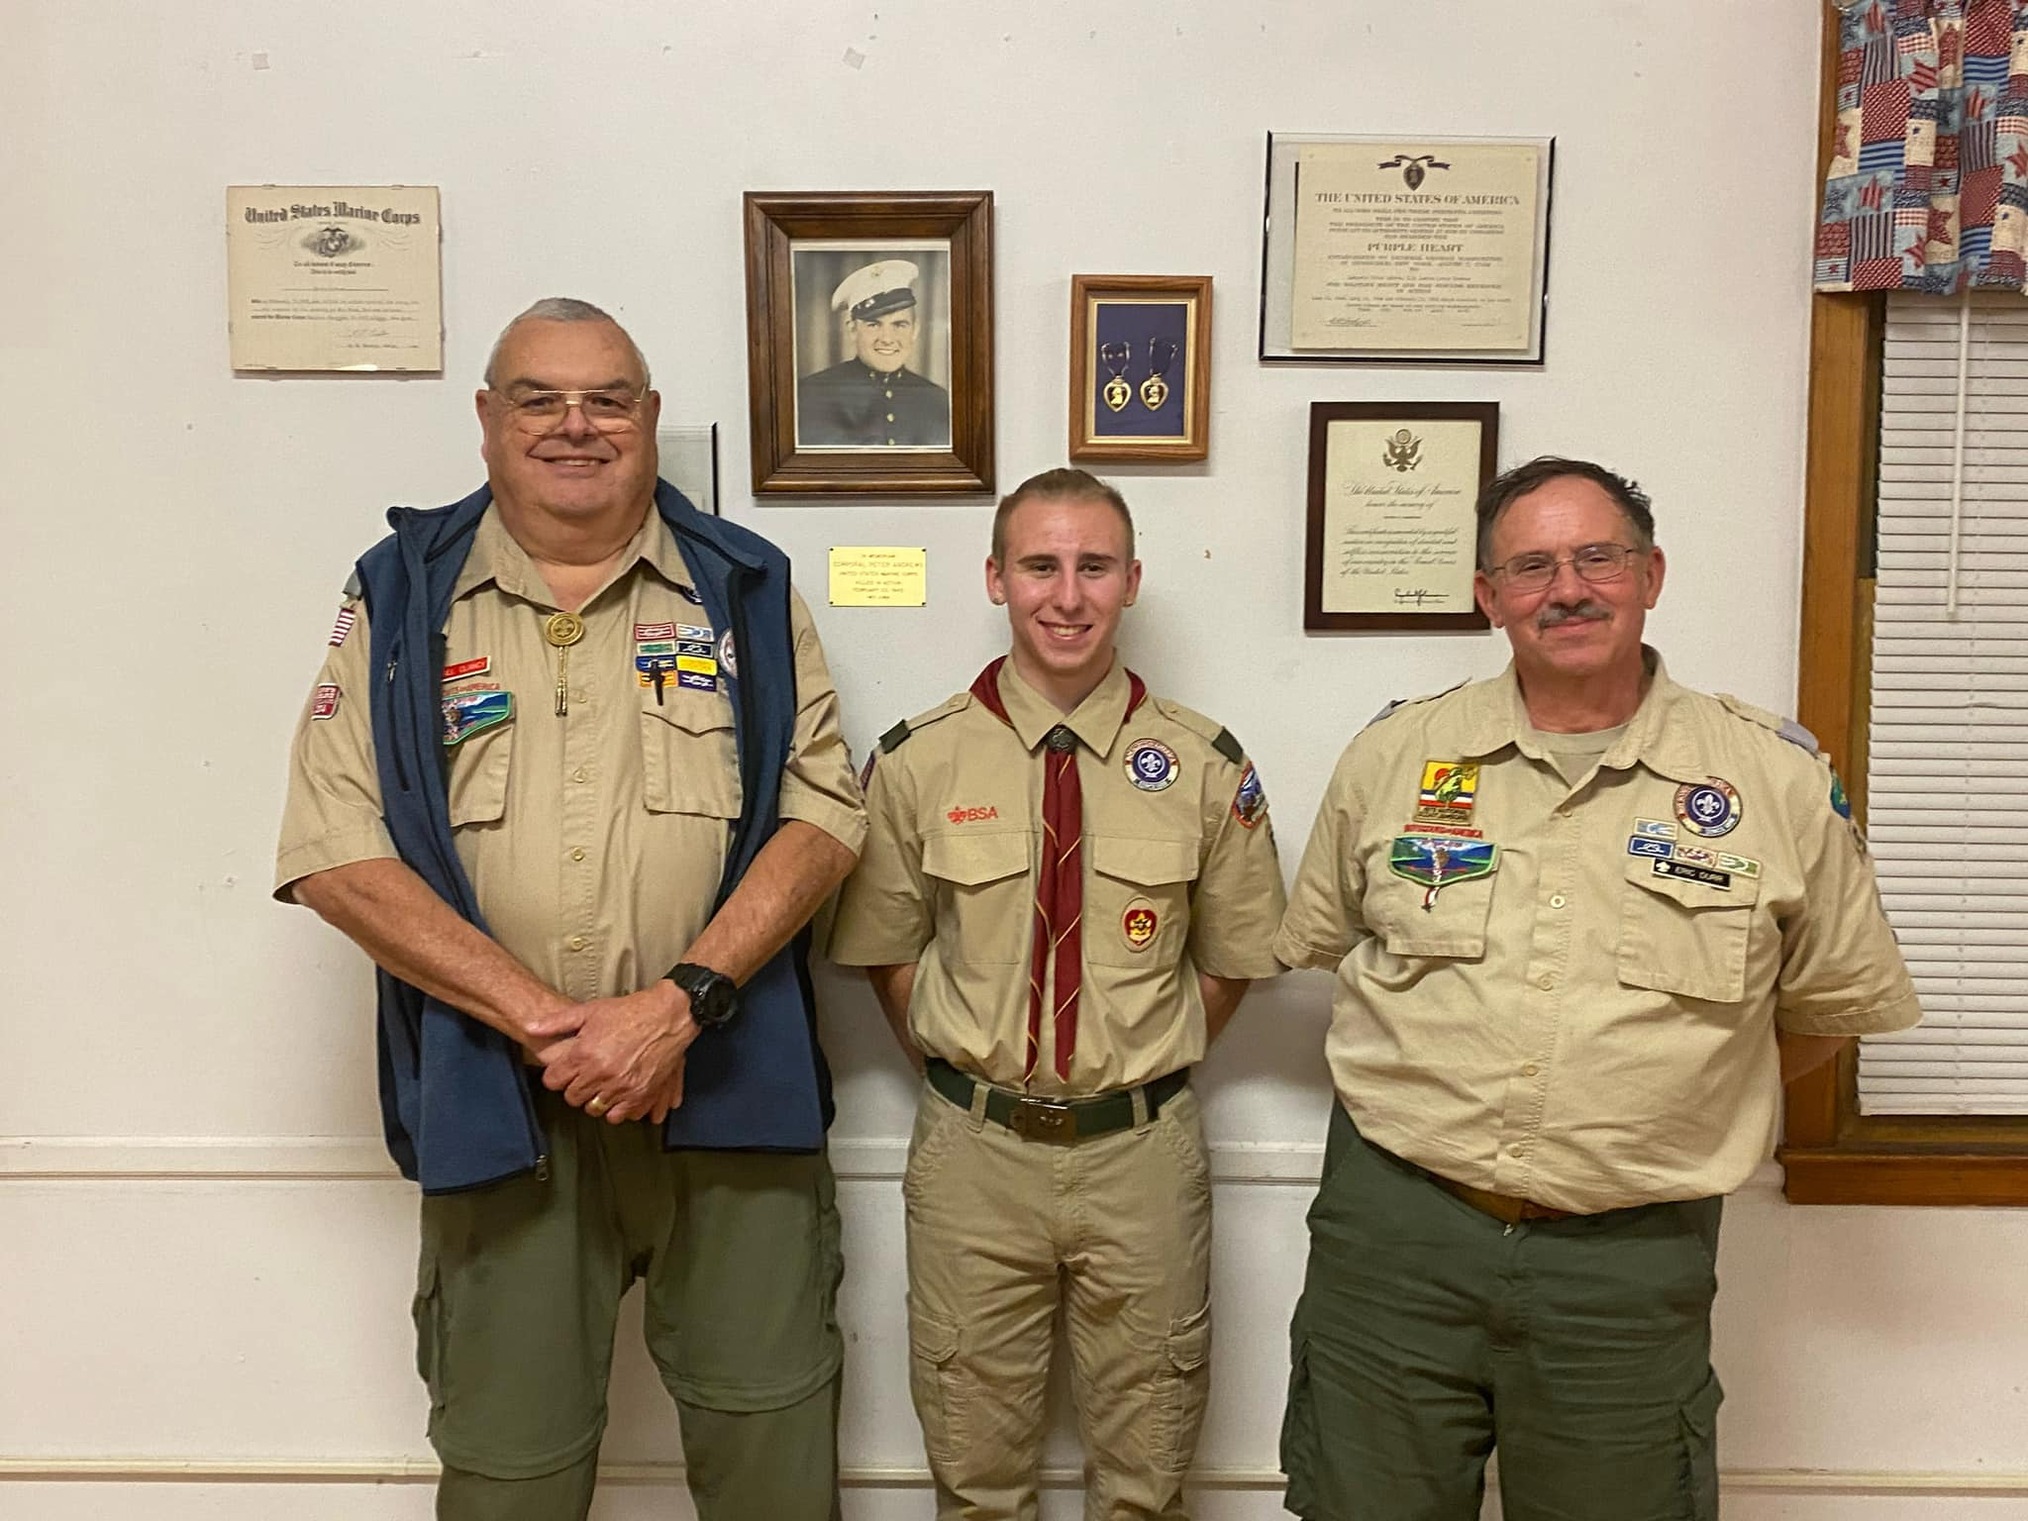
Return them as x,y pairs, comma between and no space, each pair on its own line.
146,1470
332,1158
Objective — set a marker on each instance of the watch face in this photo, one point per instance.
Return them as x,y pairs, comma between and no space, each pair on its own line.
712,995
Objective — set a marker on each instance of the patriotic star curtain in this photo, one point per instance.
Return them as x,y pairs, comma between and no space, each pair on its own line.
1928,184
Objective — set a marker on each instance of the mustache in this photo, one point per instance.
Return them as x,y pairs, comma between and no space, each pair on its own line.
1571,612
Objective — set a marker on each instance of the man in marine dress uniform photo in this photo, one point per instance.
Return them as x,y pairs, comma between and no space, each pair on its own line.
1067,886
874,399
1584,922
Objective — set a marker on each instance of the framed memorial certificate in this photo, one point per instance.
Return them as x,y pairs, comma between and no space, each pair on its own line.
1406,250
1393,538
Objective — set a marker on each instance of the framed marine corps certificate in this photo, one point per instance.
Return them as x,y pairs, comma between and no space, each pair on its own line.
1393,536
1406,250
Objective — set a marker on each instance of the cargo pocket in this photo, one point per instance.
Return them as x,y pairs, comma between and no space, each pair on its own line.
1685,937
427,1311
983,880
1299,1431
1184,1383
1137,911
1698,1423
936,1383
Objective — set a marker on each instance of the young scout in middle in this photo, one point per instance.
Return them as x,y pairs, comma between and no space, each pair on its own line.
1068,887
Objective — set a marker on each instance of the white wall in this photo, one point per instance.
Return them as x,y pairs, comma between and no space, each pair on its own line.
204,1267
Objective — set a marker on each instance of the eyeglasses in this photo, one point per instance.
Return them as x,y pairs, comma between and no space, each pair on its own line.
1593,562
544,411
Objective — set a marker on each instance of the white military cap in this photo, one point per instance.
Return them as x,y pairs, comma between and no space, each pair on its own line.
874,290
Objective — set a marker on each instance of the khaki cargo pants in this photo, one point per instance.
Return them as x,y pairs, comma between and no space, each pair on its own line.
1001,1230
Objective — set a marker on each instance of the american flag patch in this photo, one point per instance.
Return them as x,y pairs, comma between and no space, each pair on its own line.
342,629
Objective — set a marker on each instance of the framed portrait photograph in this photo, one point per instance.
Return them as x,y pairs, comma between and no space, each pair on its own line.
1382,250
1140,367
870,341
1392,536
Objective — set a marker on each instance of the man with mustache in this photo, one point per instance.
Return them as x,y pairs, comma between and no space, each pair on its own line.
1584,923
572,775
874,399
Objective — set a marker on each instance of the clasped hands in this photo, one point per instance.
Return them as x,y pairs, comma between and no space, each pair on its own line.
618,1059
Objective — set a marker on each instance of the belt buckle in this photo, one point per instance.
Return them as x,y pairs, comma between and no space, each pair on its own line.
1041,1120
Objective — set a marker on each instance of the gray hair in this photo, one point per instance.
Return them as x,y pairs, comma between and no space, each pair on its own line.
565,309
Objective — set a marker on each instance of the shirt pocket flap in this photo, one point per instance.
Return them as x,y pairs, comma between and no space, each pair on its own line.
692,712
972,859
1146,863
1691,892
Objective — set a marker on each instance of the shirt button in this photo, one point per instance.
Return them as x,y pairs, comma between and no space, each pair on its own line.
1530,1070
577,942
577,775
577,854
890,417
1516,1149
1546,981
1557,901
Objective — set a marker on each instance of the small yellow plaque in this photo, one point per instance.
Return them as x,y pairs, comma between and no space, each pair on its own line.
862,577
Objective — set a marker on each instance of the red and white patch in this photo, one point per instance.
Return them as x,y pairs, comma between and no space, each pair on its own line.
342,629
479,665
973,815
324,701
1139,923
643,632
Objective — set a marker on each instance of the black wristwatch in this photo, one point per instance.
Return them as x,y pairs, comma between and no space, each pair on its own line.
713,997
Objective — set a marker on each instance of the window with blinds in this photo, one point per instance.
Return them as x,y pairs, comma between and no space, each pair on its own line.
1947,764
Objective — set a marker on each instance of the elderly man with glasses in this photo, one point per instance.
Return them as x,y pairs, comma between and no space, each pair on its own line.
572,775
1584,922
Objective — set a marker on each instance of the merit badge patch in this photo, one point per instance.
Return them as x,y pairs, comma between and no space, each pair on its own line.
467,712
1249,804
1702,875
1436,861
342,629
1448,791
477,666
1710,807
324,701
1151,765
1139,923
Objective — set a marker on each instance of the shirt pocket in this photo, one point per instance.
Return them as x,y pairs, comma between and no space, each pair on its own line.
478,782
1685,937
1451,928
1138,904
689,759
983,891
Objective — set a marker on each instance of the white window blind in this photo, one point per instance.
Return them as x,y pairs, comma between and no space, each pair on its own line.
1947,768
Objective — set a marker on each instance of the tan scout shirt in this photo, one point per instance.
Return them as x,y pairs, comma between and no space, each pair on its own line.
1591,1024
947,880
595,841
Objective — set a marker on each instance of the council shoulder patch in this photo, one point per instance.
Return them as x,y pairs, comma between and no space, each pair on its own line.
324,701
1249,803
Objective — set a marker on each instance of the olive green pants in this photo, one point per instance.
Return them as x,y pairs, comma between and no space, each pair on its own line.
1429,1333
1001,1232
520,1284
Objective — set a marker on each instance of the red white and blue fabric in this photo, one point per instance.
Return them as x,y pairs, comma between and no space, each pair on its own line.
1927,187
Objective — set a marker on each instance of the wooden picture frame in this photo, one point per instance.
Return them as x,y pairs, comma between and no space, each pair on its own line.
1392,536
1140,367
857,389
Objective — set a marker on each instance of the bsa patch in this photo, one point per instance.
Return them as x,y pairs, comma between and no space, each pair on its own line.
1654,829
342,629
1452,831
1436,862
1704,876
467,712
324,701
696,681
1249,804
974,815
1448,791
1151,765
478,666
1710,807
1139,923
645,632
725,655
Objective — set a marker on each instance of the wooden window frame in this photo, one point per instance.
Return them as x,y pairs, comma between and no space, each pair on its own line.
1830,1152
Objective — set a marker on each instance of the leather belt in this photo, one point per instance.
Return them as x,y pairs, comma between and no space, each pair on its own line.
1502,1207
1059,1120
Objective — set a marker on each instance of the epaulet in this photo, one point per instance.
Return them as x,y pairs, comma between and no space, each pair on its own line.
1410,702
1220,737
1784,728
353,590
893,739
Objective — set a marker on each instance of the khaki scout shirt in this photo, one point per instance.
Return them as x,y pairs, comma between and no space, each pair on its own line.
595,841
1591,1024
947,880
